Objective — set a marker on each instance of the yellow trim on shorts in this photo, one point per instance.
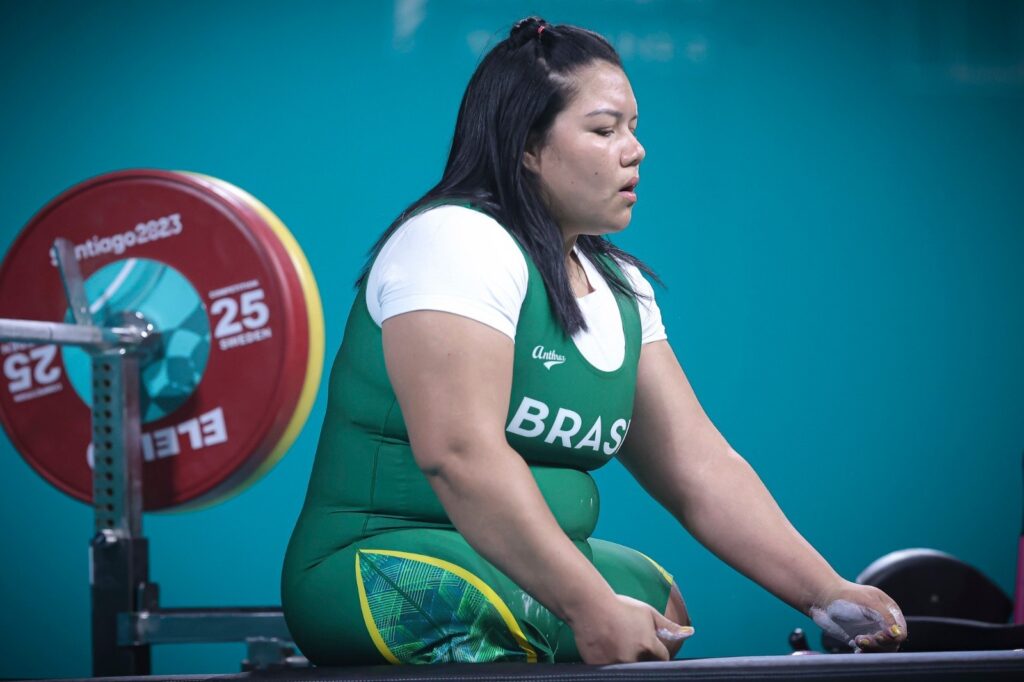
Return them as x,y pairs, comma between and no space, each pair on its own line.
665,574
489,594
371,627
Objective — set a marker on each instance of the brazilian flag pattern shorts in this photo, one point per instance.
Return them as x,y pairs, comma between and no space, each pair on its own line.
425,596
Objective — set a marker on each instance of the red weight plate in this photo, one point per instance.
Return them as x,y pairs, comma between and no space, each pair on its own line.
236,415
295,373
315,357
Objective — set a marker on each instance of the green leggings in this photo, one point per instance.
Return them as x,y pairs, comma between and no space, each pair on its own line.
425,596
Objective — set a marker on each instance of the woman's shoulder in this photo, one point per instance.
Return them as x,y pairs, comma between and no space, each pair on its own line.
458,237
457,224
450,258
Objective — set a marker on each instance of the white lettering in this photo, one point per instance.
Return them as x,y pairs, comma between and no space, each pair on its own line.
38,392
532,411
529,421
558,432
166,441
44,373
255,312
214,430
207,429
17,370
147,449
234,288
32,374
13,347
245,338
122,241
191,427
618,433
593,438
254,316
550,356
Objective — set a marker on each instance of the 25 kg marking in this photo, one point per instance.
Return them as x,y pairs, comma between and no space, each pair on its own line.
255,313
31,370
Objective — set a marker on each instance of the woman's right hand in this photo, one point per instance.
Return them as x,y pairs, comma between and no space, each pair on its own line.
625,630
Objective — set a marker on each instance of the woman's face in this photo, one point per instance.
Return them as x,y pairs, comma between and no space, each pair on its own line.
588,165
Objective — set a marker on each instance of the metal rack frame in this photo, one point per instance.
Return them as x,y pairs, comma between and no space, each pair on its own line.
126,617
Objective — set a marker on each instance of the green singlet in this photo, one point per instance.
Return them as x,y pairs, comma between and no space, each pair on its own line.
375,572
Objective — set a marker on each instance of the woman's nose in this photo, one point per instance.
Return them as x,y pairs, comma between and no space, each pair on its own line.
634,154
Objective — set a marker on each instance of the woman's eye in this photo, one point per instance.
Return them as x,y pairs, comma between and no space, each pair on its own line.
605,132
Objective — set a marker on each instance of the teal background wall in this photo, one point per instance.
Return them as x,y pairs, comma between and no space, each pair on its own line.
833,194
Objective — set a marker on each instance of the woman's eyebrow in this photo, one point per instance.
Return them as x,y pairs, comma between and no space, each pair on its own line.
610,112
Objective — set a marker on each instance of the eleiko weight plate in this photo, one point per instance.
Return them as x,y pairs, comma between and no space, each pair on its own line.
315,318
157,225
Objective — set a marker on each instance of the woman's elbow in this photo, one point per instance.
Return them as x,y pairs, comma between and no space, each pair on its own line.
453,455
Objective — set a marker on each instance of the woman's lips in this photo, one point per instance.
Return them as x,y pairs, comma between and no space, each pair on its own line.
628,190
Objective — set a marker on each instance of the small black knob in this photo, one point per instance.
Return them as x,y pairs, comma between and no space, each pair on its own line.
798,640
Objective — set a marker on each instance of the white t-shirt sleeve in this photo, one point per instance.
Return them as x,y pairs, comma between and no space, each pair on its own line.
651,326
452,259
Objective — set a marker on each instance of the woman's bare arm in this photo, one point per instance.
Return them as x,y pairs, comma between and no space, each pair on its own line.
679,456
452,377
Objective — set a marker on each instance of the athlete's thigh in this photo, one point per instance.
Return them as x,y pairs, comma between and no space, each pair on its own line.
629,573
632,573
418,596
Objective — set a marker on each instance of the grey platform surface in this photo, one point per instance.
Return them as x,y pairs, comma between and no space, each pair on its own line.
944,666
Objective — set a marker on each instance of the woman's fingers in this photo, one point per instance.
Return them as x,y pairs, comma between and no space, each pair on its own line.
898,628
670,635
889,639
863,616
894,625
669,631
878,642
629,631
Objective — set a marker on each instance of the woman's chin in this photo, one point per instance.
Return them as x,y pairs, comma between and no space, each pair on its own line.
620,225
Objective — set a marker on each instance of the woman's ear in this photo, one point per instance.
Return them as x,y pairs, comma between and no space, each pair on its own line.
531,159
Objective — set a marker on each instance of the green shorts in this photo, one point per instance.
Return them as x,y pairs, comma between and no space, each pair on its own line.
425,596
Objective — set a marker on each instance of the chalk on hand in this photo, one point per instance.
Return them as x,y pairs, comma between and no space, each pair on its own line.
666,634
849,622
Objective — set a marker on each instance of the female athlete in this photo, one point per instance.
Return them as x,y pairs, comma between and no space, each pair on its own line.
499,349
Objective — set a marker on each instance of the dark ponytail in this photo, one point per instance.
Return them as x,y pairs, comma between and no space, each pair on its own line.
511,101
